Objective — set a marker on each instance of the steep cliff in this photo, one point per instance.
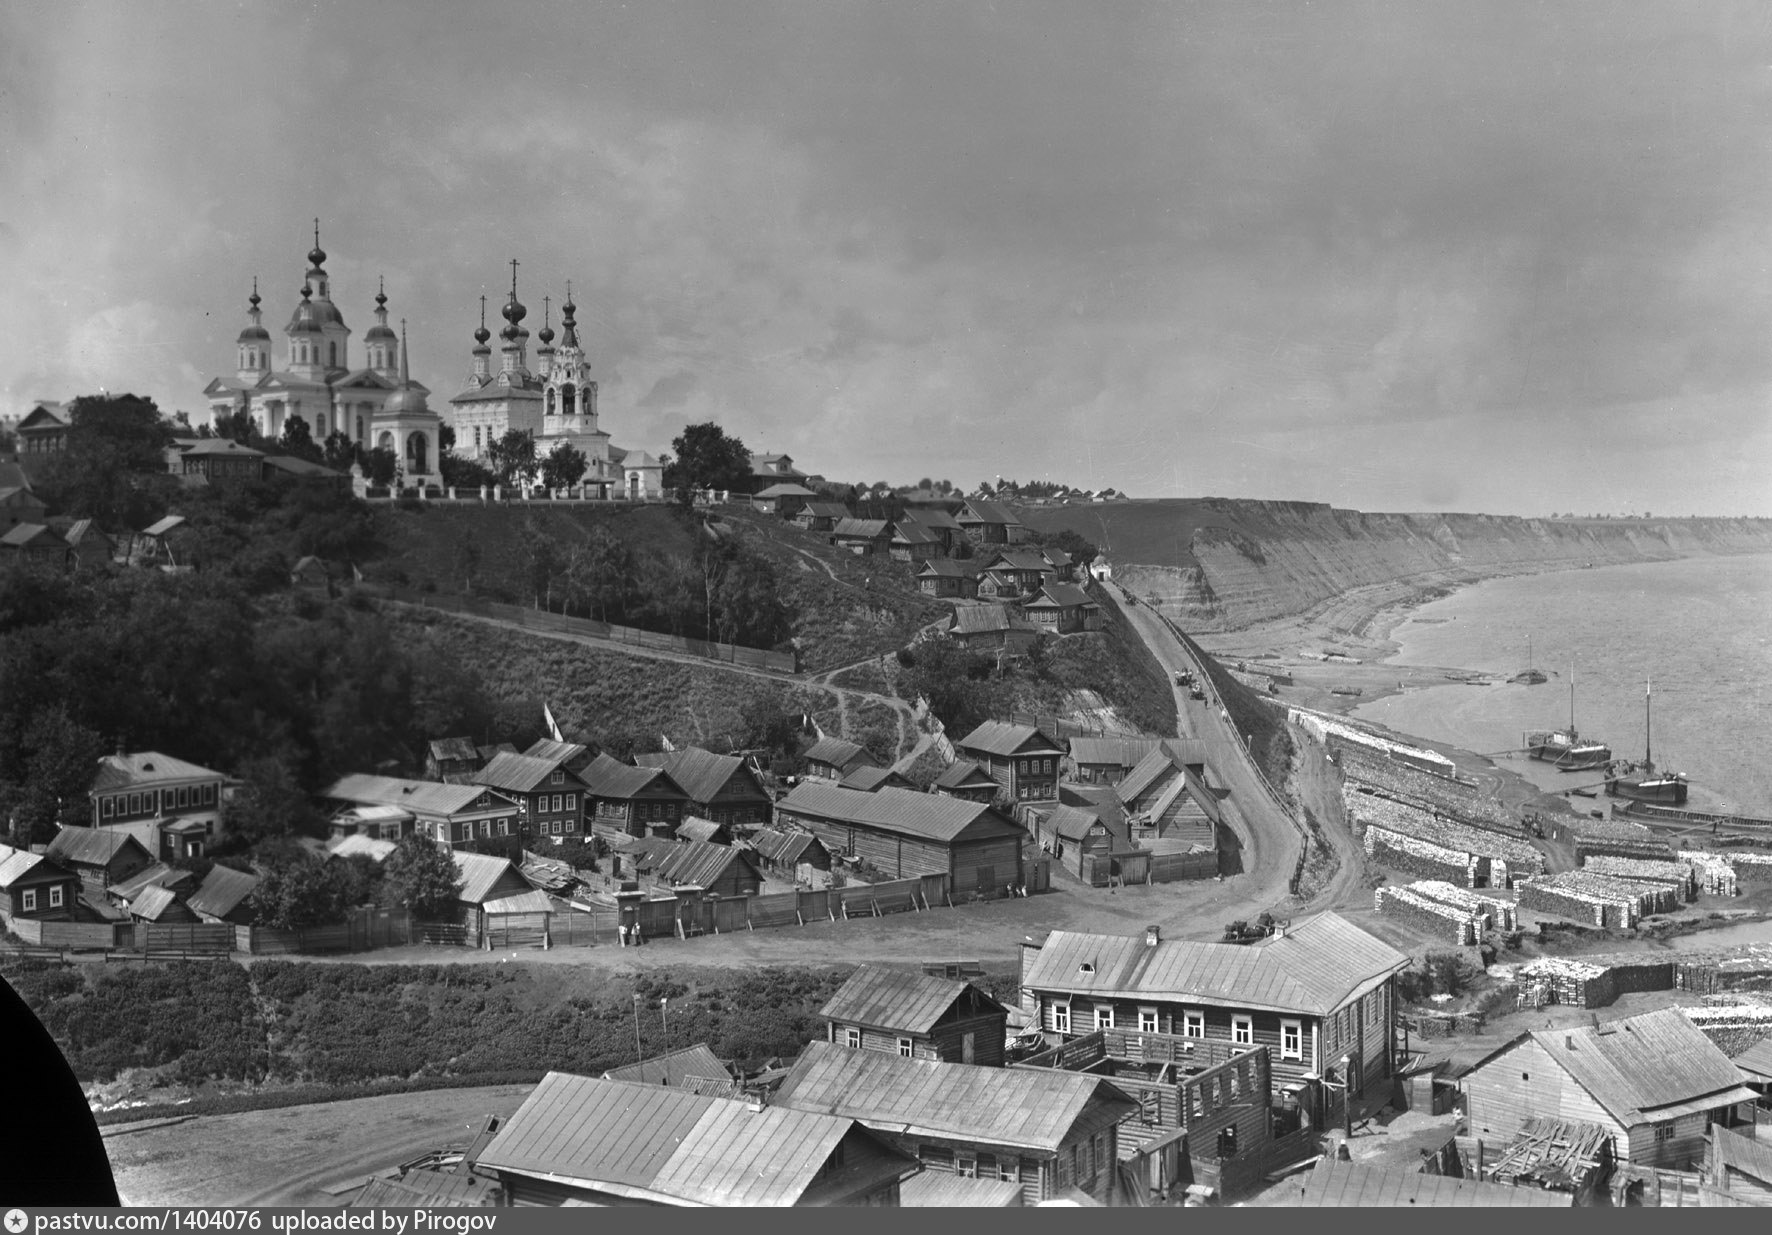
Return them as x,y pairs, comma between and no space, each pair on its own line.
1221,564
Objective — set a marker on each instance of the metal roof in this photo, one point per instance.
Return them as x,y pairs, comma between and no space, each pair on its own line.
480,873
838,752
91,846
360,846
699,862
1350,1185
867,779
933,816
146,767
663,1143
1031,1109
674,1068
1001,737
1647,1068
965,774
929,1189
701,773
15,864
1124,751
1314,968
420,796
222,891
518,773
783,845
894,999
554,752
785,490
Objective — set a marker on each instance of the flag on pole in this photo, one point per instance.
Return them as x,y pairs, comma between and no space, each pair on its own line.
666,742
553,727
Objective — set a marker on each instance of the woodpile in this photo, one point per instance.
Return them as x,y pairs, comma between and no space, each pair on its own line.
1732,1027
1587,847
1564,1155
1749,969
1457,926
1496,914
1676,873
1711,873
1503,859
1558,979
1456,800
1415,857
1597,899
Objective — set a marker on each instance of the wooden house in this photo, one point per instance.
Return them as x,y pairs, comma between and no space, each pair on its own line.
916,1015
942,1190
159,903
575,757
815,516
448,815
101,857
938,522
224,896
790,854
374,848
990,523
1165,800
290,469
783,499
385,823
1360,1185
1046,1130
549,794
968,781
44,429
1064,608
35,888
1020,758
832,758
1739,1164
903,833
912,543
172,807
1019,572
33,546
862,537
1655,1082
1107,760
1064,568
946,578
984,627
870,779
767,470
723,788
723,870
583,1141
1080,841
452,761
156,875
695,1068
704,830
221,460
492,893
88,547
18,504
1322,992
623,800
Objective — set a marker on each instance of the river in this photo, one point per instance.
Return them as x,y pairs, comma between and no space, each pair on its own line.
1698,628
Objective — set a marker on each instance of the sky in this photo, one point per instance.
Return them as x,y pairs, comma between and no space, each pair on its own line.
1502,257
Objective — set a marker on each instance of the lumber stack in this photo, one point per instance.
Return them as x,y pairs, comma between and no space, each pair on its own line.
1596,898
1495,913
1418,857
1750,865
1732,1027
1559,979
1504,859
1676,873
1457,926
1711,873
1749,969
1565,1155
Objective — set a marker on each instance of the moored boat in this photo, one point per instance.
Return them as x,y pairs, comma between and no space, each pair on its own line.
1641,782
1565,747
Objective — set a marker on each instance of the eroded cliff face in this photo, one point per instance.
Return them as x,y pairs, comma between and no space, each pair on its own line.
1270,560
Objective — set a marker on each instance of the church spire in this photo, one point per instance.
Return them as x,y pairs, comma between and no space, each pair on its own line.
568,339
482,371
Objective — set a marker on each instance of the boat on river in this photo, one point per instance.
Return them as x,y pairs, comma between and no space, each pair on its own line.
1529,676
1566,747
1641,782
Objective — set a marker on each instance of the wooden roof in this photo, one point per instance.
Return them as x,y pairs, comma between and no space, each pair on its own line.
480,874
929,816
838,752
1313,969
421,796
222,891
1072,822
783,845
861,529
1031,1109
611,778
700,862
867,779
897,1000
699,829
1647,1068
1001,737
651,1142
519,773
965,774
1351,1185
980,620
930,1189
673,1069
1125,752
703,774
92,846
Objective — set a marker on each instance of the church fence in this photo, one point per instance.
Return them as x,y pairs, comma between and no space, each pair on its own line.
587,628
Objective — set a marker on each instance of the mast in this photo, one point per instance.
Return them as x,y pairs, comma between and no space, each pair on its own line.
1648,762
1572,698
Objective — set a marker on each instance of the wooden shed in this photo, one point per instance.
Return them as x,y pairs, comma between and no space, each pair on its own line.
902,834
791,853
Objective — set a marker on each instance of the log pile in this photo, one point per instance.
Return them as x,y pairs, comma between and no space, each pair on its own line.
1496,914
1734,1027
1750,866
1558,979
1679,874
1457,926
1711,873
1508,857
1455,800
1641,850
1749,969
1564,1155
1415,857
1596,898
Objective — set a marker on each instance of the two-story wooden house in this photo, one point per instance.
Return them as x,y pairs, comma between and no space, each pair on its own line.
903,833
448,815
220,460
1020,758
833,758
550,795
723,788
1167,798
968,781
624,800
44,430
990,523
1027,570
1322,992
918,1016
1049,1131
987,627
173,808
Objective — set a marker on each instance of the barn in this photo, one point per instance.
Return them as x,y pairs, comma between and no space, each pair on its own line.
903,833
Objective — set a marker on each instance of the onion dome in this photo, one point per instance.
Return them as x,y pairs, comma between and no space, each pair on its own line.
546,334
570,338
254,331
317,255
380,331
482,334
514,312
306,319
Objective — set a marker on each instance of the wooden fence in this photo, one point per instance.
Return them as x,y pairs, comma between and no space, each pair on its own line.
74,935
588,628
360,932
204,938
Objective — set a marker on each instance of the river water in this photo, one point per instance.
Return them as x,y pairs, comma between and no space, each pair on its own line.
1700,629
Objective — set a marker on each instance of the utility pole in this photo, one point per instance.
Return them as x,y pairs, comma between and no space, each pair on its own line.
638,1054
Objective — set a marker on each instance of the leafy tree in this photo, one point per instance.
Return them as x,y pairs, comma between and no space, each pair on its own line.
301,892
112,443
706,457
380,466
459,473
954,679
298,440
564,466
445,438
513,457
338,451
421,877
270,804
55,773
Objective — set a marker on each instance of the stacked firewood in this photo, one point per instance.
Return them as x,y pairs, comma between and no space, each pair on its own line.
1677,874
1459,927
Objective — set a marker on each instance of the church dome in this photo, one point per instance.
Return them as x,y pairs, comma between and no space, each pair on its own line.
306,319
380,330
254,333
407,401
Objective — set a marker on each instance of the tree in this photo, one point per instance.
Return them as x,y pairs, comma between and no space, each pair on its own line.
564,467
459,473
58,754
298,440
513,457
380,466
338,451
271,804
705,457
112,443
421,877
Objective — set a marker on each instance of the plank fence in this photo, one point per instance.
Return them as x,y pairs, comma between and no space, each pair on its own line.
785,663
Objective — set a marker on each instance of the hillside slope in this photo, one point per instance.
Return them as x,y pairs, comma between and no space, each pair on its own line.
1218,564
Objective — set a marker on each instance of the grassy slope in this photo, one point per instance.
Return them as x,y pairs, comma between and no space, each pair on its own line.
1113,663
1159,532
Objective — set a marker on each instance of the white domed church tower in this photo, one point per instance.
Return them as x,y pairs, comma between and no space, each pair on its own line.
407,426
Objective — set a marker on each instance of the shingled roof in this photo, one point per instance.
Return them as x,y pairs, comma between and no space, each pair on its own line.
701,773
1313,969
517,773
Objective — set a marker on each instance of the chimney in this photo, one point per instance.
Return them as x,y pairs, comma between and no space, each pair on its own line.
1151,936
1569,1041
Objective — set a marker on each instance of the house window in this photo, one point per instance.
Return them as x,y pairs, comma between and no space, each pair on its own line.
965,1165
184,795
486,827
1242,1031
1147,1020
504,827
55,896
1291,1040
1104,1016
28,900
1193,1023
559,777
107,807
1664,1131
1061,1017
135,803
572,801
209,795
904,1047
852,1038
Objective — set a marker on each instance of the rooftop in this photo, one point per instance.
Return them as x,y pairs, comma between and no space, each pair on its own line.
1001,737
148,767
1647,1068
423,796
895,999
932,816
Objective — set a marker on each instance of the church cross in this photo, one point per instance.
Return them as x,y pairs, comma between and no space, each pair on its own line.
513,276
